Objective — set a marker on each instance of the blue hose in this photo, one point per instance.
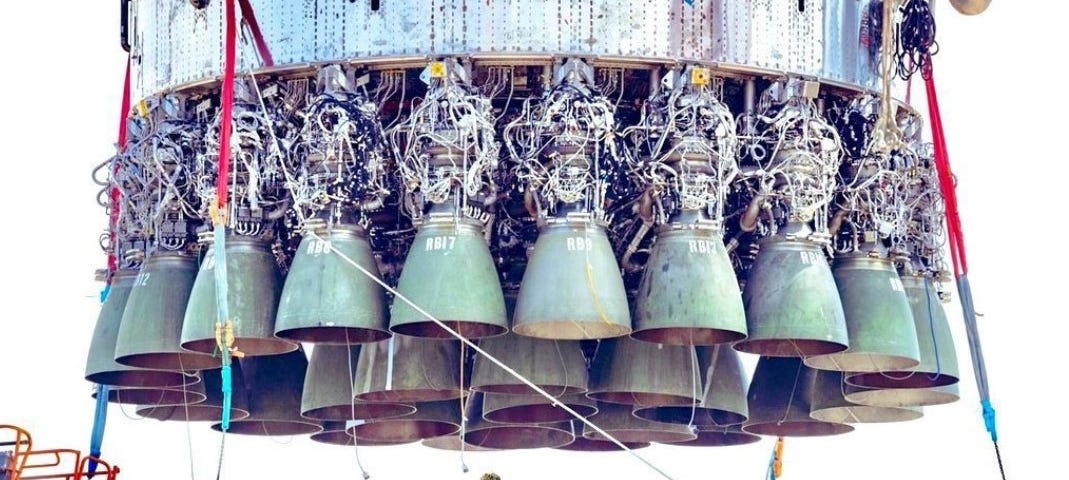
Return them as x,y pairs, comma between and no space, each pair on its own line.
100,415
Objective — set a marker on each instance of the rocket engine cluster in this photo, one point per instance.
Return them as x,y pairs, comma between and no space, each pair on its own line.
619,233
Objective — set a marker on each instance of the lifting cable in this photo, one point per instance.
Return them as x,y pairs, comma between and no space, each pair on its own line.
248,15
957,256
224,328
915,45
916,55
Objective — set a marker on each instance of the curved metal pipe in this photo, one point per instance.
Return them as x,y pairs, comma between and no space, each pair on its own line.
632,247
279,212
748,221
373,204
836,222
530,203
732,244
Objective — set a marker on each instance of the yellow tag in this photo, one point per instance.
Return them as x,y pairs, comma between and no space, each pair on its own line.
438,70
219,337
142,108
700,76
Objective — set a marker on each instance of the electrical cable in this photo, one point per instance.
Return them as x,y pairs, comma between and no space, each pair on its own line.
915,39
352,405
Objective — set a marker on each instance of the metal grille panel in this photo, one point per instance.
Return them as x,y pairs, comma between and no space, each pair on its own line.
821,38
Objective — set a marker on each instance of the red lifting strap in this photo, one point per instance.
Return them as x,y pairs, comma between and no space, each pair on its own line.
257,36
946,180
125,106
225,126
113,220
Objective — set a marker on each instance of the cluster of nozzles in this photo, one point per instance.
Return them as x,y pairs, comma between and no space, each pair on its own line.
861,338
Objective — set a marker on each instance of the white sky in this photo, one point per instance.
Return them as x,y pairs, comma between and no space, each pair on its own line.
1002,101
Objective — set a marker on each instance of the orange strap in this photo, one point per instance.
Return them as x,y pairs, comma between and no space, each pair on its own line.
777,467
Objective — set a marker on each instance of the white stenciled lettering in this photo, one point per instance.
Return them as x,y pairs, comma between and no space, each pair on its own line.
316,247
580,244
440,242
142,279
704,247
896,284
811,258
209,263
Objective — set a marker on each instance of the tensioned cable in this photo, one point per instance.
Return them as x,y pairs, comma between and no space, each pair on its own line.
497,362
189,433
352,405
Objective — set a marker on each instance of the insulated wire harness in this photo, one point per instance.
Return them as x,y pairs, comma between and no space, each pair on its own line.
565,149
915,38
338,161
445,150
790,158
255,178
132,205
173,154
873,194
688,138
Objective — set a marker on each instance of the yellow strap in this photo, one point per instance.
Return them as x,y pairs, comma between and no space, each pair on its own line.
219,337
224,339
594,293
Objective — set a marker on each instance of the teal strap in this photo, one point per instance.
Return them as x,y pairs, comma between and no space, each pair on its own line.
222,307
222,310
227,393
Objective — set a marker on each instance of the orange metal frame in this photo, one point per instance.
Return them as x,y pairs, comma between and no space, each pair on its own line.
49,461
22,444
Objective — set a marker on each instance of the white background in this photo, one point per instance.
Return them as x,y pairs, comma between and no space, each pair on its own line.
1003,98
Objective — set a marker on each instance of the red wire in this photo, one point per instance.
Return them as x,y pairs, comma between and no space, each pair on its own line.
113,220
250,16
946,180
227,107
